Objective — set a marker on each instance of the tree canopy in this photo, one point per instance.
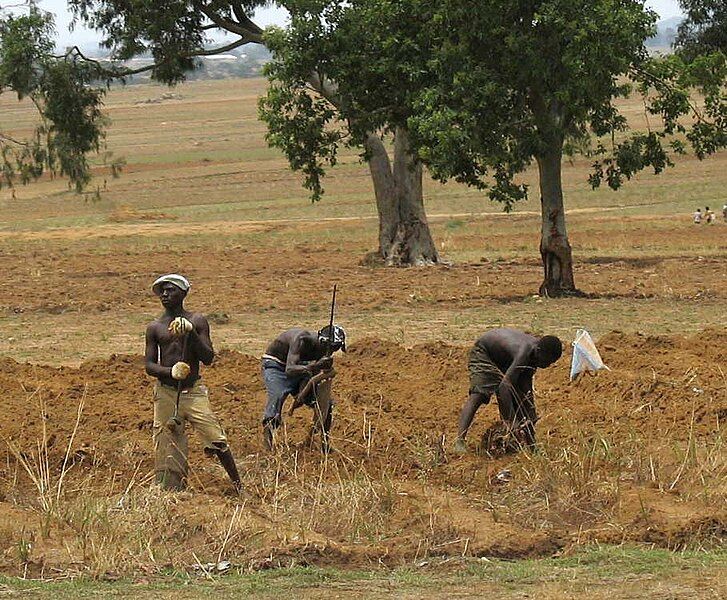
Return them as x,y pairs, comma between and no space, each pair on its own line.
67,90
484,88
365,51
70,120
704,29
173,32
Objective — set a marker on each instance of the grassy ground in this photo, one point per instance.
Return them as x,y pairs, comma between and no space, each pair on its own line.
606,572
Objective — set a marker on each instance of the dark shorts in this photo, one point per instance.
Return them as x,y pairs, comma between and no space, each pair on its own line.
278,386
485,376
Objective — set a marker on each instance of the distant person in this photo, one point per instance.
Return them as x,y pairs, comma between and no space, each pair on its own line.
176,343
289,362
697,216
709,215
503,362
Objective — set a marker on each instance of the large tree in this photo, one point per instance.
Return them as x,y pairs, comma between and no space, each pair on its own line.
516,82
70,123
336,80
176,32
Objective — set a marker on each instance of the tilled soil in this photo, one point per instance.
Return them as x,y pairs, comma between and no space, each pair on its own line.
615,463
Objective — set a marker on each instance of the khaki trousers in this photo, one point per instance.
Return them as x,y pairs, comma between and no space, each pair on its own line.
194,407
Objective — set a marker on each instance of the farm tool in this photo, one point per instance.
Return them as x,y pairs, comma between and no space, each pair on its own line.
175,422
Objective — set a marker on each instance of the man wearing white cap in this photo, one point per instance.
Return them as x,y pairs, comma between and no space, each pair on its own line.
176,343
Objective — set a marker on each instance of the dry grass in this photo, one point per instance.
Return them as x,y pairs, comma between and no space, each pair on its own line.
300,507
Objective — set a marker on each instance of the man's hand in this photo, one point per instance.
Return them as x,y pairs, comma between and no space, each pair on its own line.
180,370
324,363
180,326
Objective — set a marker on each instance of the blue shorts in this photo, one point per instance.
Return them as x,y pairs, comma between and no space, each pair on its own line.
278,386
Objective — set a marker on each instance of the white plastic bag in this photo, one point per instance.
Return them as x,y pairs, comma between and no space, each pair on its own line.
585,355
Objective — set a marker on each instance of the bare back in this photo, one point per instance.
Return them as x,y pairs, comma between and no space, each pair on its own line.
513,353
296,346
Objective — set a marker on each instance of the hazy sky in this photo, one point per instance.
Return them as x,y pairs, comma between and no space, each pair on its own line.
264,17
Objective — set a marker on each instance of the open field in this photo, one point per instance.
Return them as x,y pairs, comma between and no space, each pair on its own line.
635,455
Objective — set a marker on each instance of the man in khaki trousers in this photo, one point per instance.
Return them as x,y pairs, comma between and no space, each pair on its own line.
176,343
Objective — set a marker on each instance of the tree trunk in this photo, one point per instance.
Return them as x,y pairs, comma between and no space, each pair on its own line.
555,249
385,193
412,244
404,236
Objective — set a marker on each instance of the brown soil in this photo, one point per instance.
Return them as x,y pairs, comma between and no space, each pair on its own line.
395,421
53,279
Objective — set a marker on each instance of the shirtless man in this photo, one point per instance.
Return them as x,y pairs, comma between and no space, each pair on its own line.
289,362
503,362
176,343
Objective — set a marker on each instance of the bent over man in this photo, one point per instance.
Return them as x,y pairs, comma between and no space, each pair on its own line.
503,362
289,363
176,343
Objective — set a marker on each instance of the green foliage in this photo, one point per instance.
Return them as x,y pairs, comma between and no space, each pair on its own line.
486,87
514,81
297,123
300,121
667,85
340,72
68,90
704,30
172,32
71,123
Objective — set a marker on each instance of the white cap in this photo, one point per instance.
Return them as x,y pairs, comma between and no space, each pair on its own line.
181,282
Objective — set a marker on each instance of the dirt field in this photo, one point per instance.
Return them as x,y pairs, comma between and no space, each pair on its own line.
631,455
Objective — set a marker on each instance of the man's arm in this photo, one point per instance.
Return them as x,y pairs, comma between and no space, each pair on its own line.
295,366
151,355
201,340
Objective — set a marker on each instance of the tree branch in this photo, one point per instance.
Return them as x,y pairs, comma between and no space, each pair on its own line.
126,72
221,49
241,30
243,19
670,87
7,138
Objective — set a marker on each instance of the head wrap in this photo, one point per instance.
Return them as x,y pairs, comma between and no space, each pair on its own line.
181,282
337,341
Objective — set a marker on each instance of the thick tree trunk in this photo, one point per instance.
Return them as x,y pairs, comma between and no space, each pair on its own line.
555,249
384,191
412,243
404,236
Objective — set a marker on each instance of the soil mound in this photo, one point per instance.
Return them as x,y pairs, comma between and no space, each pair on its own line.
610,466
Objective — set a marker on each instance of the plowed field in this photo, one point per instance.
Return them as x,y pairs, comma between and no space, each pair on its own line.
632,454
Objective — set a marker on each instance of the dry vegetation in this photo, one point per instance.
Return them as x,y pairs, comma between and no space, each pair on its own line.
633,455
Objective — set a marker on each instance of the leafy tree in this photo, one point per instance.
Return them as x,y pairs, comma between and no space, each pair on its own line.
68,90
515,82
341,77
704,30
71,124
174,32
